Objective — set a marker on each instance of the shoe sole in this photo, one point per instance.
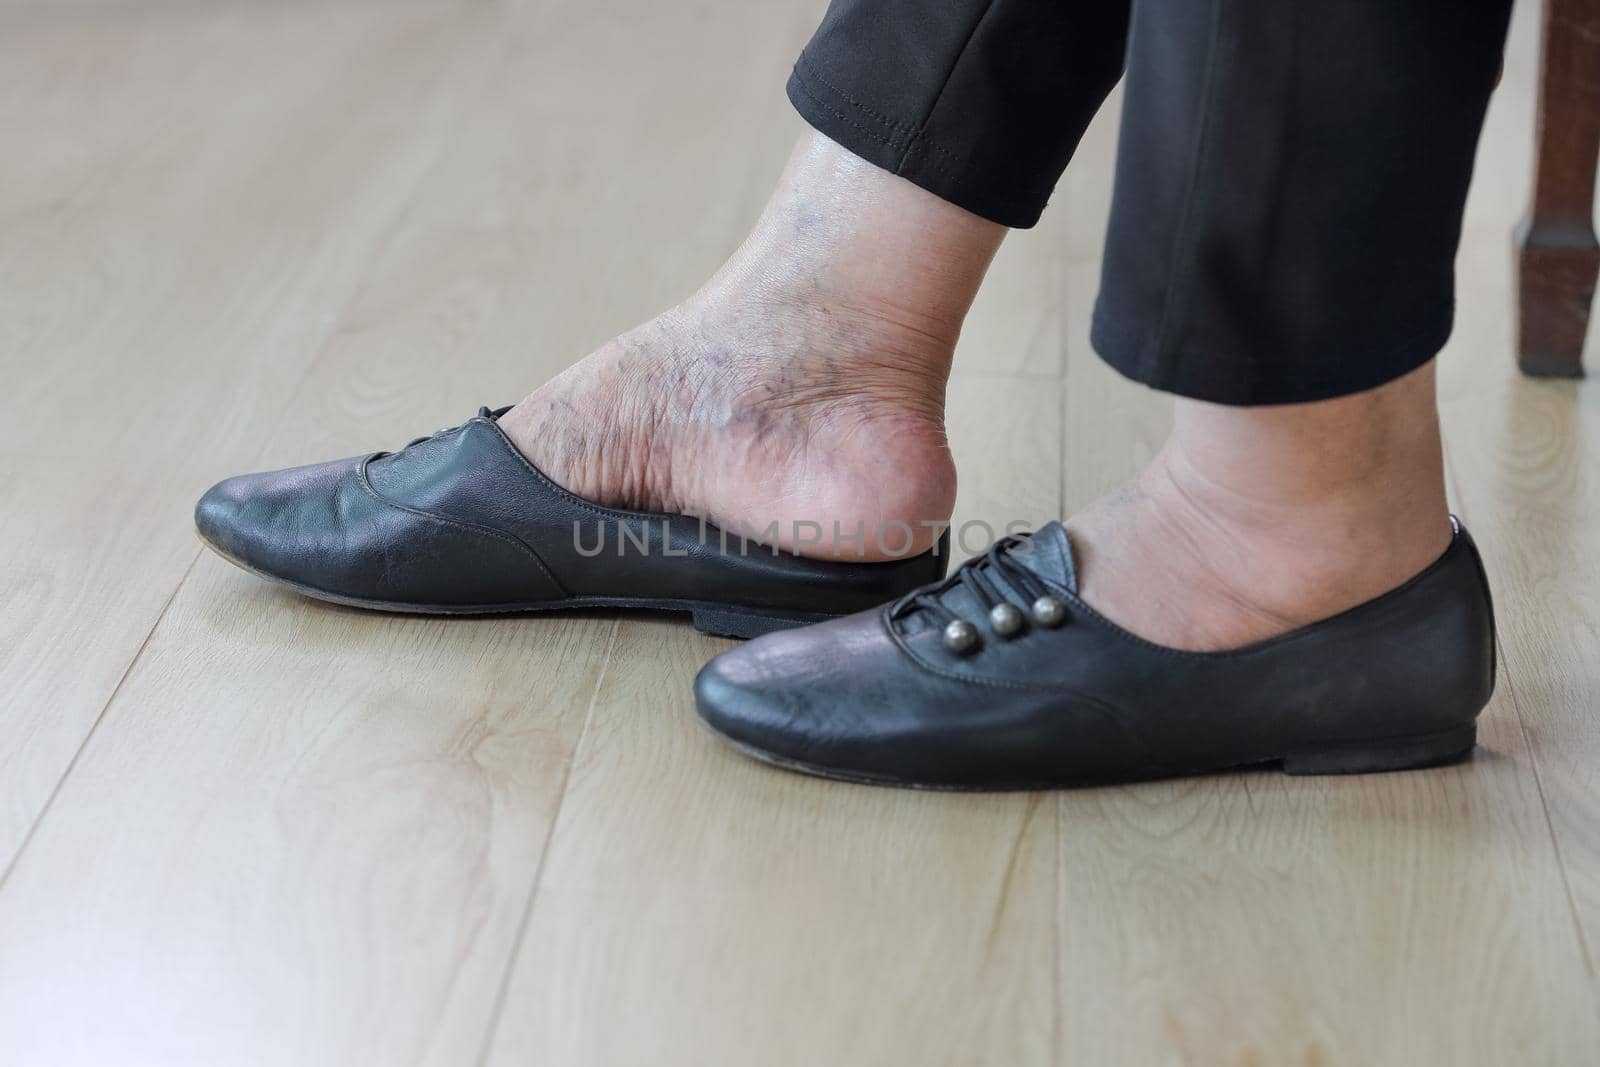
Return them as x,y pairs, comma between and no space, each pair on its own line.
709,617
1414,752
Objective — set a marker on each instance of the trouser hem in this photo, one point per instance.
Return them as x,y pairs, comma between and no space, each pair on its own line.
1225,379
899,147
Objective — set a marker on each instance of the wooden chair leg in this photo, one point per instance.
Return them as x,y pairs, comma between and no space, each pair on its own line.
1559,257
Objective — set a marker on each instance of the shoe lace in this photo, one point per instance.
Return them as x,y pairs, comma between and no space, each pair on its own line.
978,575
483,413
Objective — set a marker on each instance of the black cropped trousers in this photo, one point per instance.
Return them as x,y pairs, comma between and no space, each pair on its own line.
1290,177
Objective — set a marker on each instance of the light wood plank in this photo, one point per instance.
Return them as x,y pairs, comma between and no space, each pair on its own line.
307,835
699,907
1403,919
376,791
1531,493
743,915
1525,456
172,252
299,836
1017,326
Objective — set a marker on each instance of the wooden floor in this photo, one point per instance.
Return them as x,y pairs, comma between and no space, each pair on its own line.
237,827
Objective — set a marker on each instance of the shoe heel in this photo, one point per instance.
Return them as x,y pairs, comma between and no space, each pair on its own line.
1389,754
743,623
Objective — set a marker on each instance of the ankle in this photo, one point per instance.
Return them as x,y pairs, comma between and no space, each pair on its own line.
1360,477
1253,522
771,353
1307,552
842,234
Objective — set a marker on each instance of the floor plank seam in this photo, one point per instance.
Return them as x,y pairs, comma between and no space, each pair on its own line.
1544,808
1453,483
1058,959
504,990
66,772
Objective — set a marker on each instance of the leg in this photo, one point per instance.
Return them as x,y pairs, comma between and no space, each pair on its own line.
1558,257
796,399
1284,583
805,380
1295,286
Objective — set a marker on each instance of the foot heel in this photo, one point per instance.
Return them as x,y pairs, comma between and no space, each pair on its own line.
742,623
1386,754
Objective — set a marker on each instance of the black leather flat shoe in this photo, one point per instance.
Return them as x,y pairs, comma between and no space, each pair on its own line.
462,523
1000,677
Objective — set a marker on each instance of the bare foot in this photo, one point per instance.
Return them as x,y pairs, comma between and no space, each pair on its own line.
803,386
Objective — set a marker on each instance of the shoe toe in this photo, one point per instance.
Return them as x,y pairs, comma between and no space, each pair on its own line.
797,697
734,702
220,516
280,523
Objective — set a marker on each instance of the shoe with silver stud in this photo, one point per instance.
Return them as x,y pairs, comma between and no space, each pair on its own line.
1002,677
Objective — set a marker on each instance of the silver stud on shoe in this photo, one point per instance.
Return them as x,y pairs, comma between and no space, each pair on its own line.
1005,619
960,637
1048,611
